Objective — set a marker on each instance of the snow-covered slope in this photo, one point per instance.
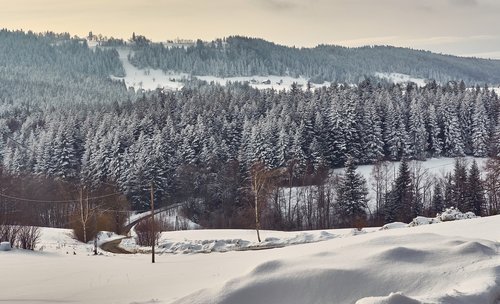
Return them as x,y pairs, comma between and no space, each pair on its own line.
451,262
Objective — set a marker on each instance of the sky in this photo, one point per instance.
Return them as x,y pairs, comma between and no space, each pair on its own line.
459,27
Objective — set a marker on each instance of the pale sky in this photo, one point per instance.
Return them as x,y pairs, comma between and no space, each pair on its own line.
460,27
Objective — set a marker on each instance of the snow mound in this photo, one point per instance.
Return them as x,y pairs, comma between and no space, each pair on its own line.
395,225
428,268
393,298
5,246
450,214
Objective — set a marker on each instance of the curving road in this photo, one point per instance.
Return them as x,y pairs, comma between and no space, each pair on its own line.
113,246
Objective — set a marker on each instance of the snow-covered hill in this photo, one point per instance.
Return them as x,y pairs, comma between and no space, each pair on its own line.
151,79
451,262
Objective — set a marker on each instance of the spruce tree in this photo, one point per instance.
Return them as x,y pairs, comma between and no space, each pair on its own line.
480,123
476,201
351,195
437,204
399,203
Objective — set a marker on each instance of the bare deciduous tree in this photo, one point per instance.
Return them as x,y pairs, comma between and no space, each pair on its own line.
262,179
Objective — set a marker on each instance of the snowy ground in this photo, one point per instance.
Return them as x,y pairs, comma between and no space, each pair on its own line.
451,262
401,78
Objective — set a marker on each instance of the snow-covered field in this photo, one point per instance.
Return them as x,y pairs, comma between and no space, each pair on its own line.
450,262
401,78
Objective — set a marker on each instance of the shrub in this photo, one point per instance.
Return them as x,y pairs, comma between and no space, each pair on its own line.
145,236
28,237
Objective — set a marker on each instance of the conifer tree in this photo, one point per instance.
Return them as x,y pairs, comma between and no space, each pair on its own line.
352,195
399,204
437,205
476,201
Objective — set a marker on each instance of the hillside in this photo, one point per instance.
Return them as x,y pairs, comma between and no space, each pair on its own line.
51,69
242,56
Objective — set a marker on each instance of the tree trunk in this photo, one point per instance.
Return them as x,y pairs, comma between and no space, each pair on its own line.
257,218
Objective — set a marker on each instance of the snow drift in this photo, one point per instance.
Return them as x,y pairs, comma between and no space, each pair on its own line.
378,268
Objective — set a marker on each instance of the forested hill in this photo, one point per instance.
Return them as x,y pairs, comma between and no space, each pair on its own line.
241,56
55,69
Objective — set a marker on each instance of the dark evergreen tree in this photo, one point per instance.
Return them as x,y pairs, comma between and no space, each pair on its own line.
399,203
476,201
352,196
437,205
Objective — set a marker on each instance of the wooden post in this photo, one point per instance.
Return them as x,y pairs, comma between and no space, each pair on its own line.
153,225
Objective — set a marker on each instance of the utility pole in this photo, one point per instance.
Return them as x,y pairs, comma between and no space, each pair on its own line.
97,233
152,225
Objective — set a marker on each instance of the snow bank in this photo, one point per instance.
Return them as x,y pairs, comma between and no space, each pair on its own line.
449,214
452,214
395,225
169,243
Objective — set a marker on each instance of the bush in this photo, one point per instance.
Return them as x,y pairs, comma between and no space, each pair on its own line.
28,237
145,236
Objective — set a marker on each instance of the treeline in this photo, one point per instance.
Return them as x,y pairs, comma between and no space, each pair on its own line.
395,193
198,145
242,56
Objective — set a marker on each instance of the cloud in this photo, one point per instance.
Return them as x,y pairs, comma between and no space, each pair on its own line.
280,5
464,2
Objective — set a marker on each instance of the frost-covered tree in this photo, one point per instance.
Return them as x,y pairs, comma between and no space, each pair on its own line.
480,134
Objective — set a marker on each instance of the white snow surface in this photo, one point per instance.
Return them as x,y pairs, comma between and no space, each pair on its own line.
449,262
401,78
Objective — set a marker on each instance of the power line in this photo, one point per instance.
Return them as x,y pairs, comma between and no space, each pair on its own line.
57,201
